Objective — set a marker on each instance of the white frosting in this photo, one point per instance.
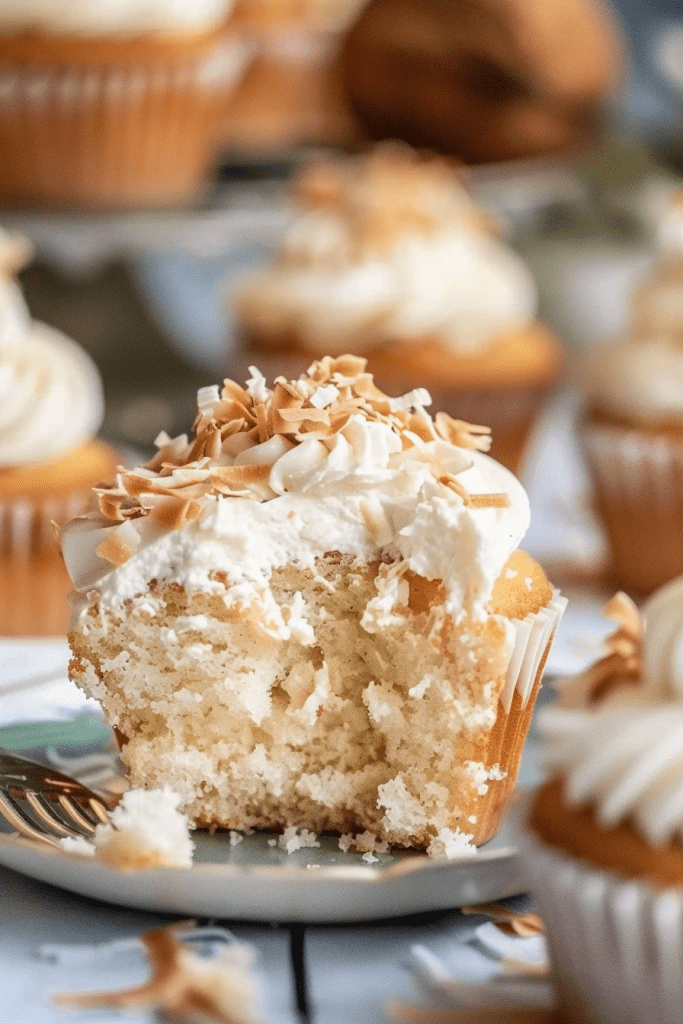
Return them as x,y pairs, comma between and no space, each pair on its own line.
356,492
403,255
463,289
640,381
50,395
111,16
640,377
623,754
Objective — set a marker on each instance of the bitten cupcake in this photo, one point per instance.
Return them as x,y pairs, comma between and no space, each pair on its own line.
314,614
632,430
603,844
111,104
389,257
50,410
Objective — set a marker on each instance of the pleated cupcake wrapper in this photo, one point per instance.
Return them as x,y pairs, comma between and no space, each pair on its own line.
26,526
113,135
617,945
533,638
639,483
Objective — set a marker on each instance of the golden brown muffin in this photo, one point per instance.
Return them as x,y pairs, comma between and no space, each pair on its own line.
122,120
483,79
33,580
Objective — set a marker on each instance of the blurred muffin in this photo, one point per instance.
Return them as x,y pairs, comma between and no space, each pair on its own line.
632,430
291,92
389,257
314,614
484,79
50,410
111,104
603,844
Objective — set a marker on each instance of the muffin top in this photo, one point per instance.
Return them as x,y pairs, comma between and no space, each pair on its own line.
102,17
615,737
50,391
638,379
325,463
388,248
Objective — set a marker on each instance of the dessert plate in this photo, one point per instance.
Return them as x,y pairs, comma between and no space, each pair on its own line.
254,879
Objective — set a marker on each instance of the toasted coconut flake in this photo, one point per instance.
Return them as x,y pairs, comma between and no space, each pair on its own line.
509,921
461,433
184,986
173,512
318,406
119,545
501,500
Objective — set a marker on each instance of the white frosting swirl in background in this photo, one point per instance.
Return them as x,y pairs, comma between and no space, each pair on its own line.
640,377
623,754
640,381
390,248
462,288
357,494
50,391
111,16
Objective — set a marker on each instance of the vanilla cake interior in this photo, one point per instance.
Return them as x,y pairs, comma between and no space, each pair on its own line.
345,726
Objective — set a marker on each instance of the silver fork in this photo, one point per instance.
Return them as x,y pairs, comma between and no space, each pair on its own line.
43,804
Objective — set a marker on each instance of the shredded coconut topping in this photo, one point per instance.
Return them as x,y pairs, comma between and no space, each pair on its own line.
621,664
255,442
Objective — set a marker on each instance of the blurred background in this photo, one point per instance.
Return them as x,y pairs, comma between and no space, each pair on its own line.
144,279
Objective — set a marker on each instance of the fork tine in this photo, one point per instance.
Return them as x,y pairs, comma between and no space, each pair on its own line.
86,825
99,810
18,820
48,816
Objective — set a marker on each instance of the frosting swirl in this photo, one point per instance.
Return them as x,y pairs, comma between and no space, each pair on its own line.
325,463
111,16
391,248
640,377
616,734
50,391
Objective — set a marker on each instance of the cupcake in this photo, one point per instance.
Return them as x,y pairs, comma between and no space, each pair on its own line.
314,614
389,257
632,429
112,104
603,846
50,410
290,94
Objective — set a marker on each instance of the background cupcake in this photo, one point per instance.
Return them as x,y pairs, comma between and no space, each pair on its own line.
632,430
603,846
50,410
291,92
112,104
389,257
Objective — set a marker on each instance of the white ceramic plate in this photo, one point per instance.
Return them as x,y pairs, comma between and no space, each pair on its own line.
253,881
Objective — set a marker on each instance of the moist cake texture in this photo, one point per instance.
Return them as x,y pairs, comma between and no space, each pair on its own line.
314,614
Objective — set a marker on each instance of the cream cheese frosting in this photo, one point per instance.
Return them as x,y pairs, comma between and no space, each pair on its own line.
616,734
640,377
324,464
104,17
391,248
50,391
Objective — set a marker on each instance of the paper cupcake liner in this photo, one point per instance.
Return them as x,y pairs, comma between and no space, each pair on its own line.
533,637
617,945
638,481
114,135
26,530
33,580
